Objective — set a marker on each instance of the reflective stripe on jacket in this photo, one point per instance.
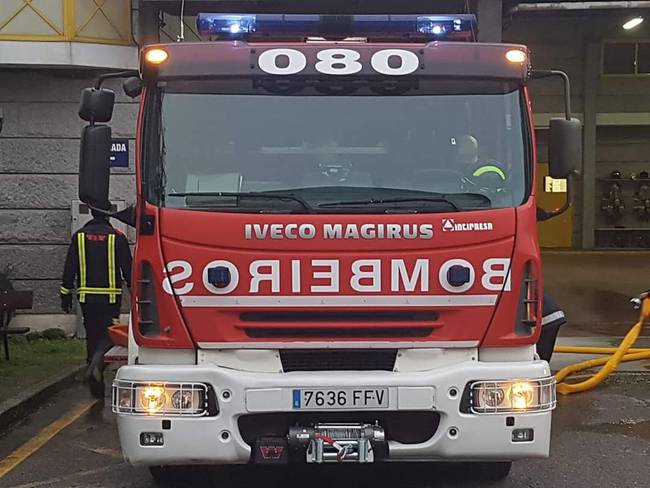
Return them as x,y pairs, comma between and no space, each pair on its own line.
98,260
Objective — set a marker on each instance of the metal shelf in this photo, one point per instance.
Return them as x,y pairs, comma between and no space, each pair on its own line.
624,180
635,229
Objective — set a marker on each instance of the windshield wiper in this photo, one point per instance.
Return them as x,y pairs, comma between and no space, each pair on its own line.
380,201
277,196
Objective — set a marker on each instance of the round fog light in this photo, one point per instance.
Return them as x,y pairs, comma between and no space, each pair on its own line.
492,397
182,400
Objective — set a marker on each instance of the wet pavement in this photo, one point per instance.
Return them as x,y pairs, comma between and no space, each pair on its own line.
600,439
594,289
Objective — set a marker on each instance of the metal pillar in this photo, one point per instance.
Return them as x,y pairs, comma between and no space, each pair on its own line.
592,67
490,17
148,24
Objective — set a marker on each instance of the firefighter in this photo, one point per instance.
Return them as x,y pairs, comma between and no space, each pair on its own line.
479,176
552,315
98,262
490,177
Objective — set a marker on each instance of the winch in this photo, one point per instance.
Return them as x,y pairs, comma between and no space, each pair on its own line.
342,442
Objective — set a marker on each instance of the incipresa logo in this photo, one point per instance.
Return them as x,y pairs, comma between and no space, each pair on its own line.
450,225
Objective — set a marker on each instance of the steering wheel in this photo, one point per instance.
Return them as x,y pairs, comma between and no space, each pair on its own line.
438,180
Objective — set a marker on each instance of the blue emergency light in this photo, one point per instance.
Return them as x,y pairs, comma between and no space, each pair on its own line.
421,27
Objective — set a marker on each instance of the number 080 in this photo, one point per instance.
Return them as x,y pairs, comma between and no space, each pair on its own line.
391,62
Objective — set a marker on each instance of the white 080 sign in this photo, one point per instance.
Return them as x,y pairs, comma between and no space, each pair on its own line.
392,62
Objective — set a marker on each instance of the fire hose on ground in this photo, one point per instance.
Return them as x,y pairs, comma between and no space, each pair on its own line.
623,353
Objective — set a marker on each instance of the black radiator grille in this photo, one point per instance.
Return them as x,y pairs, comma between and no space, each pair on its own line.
338,360
426,316
336,332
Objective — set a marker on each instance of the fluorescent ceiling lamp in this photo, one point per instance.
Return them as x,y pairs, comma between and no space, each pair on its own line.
632,23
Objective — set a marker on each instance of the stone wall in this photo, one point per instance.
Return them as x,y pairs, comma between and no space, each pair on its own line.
39,160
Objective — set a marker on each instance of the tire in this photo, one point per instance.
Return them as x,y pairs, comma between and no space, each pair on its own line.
97,388
491,471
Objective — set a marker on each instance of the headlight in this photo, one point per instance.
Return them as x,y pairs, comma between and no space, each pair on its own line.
522,395
159,398
152,398
515,396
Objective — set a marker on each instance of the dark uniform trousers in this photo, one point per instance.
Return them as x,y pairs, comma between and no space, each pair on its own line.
98,262
552,319
97,318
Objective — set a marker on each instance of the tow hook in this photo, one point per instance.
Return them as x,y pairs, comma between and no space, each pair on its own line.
329,443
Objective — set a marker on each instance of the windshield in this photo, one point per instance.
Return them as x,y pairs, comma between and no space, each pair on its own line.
335,153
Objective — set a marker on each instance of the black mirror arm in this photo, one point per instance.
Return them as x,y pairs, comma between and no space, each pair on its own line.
546,73
126,216
119,74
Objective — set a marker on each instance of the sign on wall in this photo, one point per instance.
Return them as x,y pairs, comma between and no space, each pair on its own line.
119,153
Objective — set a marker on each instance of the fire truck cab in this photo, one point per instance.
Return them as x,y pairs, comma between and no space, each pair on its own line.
337,257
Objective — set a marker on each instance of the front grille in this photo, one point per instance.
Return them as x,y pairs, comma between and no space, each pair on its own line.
412,427
348,316
338,360
336,332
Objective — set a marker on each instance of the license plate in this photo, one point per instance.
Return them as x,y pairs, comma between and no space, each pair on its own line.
349,398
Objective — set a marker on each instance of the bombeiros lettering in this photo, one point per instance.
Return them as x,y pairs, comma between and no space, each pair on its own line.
318,276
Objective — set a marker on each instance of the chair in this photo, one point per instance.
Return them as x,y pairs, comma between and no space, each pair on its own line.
10,301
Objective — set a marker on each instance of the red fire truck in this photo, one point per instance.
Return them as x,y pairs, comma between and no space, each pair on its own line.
337,257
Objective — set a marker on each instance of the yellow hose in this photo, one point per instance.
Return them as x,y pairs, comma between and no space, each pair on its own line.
623,353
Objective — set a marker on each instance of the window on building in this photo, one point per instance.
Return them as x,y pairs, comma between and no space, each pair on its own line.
626,58
619,58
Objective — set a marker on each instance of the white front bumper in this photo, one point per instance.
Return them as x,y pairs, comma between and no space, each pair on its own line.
199,440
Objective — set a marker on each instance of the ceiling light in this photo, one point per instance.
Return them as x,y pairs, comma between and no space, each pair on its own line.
632,23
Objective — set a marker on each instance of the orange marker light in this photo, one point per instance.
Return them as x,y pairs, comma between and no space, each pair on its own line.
156,56
516,56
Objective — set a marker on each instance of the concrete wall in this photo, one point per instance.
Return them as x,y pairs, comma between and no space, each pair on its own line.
39,159
614,109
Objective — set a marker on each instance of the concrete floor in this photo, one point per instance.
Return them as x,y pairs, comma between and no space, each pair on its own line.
600,439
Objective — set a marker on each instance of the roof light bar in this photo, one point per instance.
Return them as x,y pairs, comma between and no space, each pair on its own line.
403,27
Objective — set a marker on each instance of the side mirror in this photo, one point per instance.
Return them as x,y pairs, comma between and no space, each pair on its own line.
564,147
96,105
94,165
132,87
